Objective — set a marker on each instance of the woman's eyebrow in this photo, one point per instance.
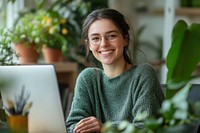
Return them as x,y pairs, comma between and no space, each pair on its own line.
112,31
93,34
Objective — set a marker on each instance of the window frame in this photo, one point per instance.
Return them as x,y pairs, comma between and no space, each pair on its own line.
12,10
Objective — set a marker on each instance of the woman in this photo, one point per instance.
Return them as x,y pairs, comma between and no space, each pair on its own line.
122,90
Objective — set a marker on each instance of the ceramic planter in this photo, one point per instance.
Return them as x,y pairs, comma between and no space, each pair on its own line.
26,54
52,55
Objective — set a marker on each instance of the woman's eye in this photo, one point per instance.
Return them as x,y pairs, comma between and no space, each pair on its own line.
96,39
112,36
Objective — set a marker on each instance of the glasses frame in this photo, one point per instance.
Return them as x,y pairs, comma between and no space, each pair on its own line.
106,37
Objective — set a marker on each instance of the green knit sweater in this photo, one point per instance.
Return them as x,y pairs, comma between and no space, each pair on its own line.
116,99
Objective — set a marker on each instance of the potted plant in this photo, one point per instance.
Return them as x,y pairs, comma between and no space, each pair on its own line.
54,35
62,22
176,113
56,26
25,36
74,11
7,53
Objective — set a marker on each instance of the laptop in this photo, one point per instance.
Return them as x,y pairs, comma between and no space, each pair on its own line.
40,83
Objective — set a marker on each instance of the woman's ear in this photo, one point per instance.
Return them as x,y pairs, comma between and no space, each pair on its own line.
87,43
125,42
90,47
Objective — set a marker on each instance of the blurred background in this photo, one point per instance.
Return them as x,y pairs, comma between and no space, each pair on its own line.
151,20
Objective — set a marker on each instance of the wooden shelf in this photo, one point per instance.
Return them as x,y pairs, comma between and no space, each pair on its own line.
67,73
191,12
183,11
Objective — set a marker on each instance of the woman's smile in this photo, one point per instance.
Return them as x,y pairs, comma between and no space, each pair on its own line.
106,52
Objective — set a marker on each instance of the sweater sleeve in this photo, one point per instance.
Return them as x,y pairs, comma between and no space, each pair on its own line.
148,95
81,105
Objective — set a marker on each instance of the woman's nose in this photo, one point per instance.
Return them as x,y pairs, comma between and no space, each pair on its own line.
104,42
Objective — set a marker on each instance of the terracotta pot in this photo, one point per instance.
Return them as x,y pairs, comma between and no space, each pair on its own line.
27,54
52,55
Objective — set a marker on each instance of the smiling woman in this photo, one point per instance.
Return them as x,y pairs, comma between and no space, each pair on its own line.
100,93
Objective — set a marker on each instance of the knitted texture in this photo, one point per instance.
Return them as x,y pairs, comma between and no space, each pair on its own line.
116,99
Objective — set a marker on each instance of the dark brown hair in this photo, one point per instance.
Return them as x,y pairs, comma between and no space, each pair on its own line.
117,18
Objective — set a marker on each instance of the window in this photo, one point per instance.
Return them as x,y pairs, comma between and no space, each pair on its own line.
9,12
2,13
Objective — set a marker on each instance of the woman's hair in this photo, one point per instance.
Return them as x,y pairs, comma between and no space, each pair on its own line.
117,18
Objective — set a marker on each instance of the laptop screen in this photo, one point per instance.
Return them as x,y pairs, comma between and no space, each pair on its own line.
40,82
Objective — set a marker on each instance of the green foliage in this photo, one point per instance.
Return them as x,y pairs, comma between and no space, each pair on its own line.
183,56
74,11
51,26
98,4
11,1
190,3
124,127
7,53
57,25
175,110
26,30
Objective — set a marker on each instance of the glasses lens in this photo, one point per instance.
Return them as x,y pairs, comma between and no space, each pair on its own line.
96,39
111,37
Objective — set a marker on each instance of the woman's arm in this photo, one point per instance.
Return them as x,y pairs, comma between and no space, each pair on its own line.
81,105
148,95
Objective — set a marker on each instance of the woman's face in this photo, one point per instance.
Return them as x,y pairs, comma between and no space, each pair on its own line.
106,42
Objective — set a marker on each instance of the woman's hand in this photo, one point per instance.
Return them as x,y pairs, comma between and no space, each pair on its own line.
89,124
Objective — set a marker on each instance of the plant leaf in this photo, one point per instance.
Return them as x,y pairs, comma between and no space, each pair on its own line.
183,55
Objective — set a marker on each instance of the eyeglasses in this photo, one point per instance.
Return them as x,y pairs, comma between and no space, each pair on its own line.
96,38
